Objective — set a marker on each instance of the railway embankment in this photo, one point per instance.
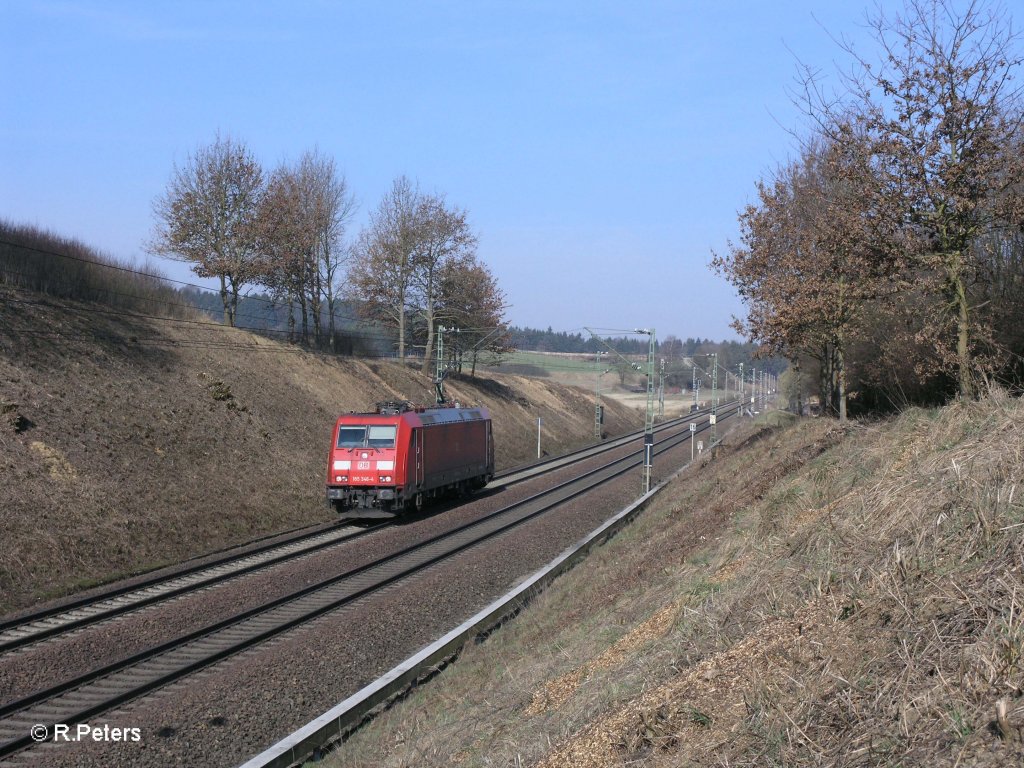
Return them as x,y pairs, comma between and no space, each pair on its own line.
813,596
129,442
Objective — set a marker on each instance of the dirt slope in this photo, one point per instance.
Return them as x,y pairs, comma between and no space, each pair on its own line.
126,443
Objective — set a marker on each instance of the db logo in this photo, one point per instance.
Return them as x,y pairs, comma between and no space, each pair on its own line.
362,465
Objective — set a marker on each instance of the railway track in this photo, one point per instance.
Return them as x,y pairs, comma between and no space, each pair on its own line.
60,620
533,469
99,690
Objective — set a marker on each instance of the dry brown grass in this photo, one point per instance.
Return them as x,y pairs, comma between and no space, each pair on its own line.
127,443
42,262
839,600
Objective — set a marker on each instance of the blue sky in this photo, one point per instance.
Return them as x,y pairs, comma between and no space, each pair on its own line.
602,149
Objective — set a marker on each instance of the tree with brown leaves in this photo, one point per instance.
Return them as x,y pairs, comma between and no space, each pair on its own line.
474,305
332,207
806,265
286,241
207,216
941,118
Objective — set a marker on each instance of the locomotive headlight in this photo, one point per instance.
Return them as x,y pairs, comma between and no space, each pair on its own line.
341,478
385,478
342,464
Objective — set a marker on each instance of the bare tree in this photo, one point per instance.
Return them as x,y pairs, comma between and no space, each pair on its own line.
380,275
444,242
207,216
286,240
332,206
405,262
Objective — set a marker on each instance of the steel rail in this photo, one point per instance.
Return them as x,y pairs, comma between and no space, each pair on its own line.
155,580
314,739
59,620
595,449
92,611
50,697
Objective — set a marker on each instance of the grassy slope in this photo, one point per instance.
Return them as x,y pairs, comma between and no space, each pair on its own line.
143,442
812,597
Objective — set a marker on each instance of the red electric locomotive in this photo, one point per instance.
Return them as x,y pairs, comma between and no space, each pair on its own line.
400,456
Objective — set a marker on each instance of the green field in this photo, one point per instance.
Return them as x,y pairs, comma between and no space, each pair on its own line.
551,361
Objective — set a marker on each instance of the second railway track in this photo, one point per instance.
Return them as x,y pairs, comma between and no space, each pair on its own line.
68,617
79,699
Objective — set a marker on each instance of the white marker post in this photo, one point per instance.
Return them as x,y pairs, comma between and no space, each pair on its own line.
693,431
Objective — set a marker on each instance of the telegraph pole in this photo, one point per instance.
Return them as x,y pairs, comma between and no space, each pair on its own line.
649,415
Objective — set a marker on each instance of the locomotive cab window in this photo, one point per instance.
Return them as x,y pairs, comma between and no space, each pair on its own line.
351,437
382,437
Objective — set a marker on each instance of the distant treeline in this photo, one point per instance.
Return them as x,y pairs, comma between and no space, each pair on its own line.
731,354
536,340
261,312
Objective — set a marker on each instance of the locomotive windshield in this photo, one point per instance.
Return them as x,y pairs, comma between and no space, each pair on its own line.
351,437
382,437
377,436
